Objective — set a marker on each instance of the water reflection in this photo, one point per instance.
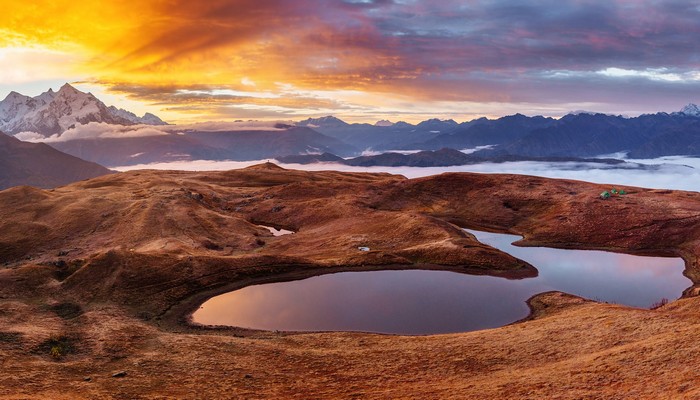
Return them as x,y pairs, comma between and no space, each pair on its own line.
425,302
599,275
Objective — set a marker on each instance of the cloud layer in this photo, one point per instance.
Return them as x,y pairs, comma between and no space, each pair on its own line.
99,130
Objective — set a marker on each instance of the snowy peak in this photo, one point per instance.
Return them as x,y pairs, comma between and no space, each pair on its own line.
147,119
437,125
13,104
52,113
585,112
15,97
68,89
323,122
150,119
46,97
383,122
74,100
691,109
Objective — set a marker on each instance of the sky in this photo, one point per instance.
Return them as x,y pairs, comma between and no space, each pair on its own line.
360,60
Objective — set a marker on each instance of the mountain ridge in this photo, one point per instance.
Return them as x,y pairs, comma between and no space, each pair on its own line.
580,134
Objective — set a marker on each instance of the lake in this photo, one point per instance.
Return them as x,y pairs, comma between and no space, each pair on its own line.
419,302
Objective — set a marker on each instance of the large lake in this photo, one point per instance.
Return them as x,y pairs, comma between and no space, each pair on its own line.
417,302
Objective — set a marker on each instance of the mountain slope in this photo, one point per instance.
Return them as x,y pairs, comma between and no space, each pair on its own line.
37,164
483,131
255,145
587,135
204,145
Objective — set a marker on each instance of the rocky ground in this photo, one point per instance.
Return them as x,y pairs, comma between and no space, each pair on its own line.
98,279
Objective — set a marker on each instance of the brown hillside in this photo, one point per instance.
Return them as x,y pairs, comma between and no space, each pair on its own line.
40,165
107,270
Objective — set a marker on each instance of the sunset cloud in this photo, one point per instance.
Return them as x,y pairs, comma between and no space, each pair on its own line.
199,60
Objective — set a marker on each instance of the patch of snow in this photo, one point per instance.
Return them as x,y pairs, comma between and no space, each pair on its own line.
370,152
384,122
312,151
620,155
277,232
691,109
477,148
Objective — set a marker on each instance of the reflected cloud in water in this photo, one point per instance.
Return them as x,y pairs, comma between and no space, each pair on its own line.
427,302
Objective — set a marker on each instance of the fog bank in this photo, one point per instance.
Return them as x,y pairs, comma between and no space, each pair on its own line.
681,173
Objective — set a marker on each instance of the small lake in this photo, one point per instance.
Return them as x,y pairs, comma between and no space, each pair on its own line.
419,302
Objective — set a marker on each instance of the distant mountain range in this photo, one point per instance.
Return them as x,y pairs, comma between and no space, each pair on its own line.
40,165
578,135
574,135
52,113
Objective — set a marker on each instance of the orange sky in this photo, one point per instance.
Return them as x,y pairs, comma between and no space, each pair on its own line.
360,60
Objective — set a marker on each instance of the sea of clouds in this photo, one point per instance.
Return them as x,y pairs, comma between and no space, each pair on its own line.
682,173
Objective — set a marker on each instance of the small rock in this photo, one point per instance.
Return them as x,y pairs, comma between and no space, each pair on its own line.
119,374
363,248
248,376
87,379
195,196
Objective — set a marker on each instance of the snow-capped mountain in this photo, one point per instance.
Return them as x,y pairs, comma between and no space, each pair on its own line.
147,119
325,122
53,113
691,109
384,122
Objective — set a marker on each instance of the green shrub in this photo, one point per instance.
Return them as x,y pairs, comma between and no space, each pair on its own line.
56,352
